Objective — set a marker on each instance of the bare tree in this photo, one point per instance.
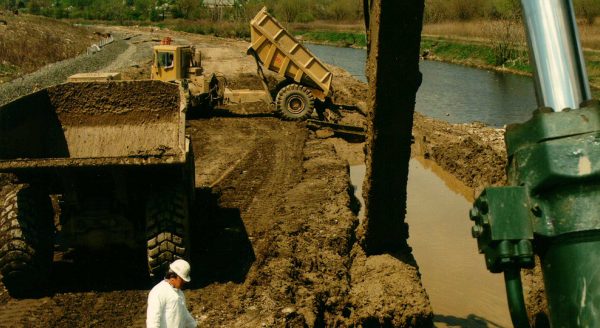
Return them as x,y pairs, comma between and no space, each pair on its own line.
588,9
507,39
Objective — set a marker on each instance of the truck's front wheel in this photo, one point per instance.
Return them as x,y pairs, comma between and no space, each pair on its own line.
167,228
295,102
26,241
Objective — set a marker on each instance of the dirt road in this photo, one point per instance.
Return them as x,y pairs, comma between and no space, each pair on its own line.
275,225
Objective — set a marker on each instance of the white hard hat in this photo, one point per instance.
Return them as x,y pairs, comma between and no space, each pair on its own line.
181,268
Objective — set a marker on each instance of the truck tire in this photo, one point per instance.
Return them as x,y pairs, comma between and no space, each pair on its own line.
26,241
295,102
167,229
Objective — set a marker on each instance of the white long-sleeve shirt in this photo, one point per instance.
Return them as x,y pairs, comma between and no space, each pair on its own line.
167,308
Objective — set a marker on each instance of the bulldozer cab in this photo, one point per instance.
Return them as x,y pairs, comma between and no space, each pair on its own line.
174,63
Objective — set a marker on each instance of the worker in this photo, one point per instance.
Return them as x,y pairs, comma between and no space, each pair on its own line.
166,302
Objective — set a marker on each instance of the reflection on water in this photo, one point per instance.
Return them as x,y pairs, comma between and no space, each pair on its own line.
350,59
357,177
462,292
451,182
453,93
461,94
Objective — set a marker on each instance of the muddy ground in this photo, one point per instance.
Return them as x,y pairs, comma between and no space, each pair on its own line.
275,231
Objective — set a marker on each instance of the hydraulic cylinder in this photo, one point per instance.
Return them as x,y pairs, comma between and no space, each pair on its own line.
551,207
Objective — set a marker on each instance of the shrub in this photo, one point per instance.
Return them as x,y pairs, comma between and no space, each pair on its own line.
588,10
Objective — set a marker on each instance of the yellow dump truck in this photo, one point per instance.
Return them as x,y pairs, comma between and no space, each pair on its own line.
280,52
306,78
277,50
115,158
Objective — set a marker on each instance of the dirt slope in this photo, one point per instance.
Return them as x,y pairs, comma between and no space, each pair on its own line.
48,41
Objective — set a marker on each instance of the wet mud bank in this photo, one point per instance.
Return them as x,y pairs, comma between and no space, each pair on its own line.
476,155
472,152
304,267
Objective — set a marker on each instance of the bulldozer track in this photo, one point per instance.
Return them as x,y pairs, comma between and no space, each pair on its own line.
268,171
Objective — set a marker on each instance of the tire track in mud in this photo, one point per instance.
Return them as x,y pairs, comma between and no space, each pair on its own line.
291,194
268,171
17,313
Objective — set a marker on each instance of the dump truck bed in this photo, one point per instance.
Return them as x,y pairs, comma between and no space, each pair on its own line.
280,52
94,124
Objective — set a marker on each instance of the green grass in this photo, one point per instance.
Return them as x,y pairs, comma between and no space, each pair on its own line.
343,39
484,56
226,29
8,72
474,54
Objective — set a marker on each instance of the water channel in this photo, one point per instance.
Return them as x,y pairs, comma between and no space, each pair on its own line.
462,292
453,93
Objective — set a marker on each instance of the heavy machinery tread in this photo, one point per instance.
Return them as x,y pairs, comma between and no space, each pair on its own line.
167,213
26,240
298,92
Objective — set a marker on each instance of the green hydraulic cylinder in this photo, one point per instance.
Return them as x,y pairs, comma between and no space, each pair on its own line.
551,206
552,209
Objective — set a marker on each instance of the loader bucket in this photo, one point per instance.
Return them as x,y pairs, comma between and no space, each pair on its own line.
93,124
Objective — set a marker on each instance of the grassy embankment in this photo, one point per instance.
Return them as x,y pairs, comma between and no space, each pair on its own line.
495,45
349,34
28,43
476,44
331,33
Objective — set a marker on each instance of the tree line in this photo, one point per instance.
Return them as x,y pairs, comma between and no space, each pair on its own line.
303,11
464,10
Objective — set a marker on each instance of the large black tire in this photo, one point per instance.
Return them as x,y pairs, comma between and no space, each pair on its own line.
295,102
26,241
167,228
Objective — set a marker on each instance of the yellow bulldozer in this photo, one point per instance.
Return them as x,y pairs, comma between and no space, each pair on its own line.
184,64
305,78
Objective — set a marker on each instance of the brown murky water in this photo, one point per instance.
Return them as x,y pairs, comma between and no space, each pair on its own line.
462,292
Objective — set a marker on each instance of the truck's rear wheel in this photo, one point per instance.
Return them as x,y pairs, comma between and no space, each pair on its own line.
295,102
26,241
167,228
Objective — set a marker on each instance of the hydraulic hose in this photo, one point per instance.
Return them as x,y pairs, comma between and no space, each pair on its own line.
514,293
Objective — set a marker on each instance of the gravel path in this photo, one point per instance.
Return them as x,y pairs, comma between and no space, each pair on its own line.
140,52
58,72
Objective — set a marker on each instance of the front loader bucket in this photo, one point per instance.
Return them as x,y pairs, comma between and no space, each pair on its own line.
94,124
